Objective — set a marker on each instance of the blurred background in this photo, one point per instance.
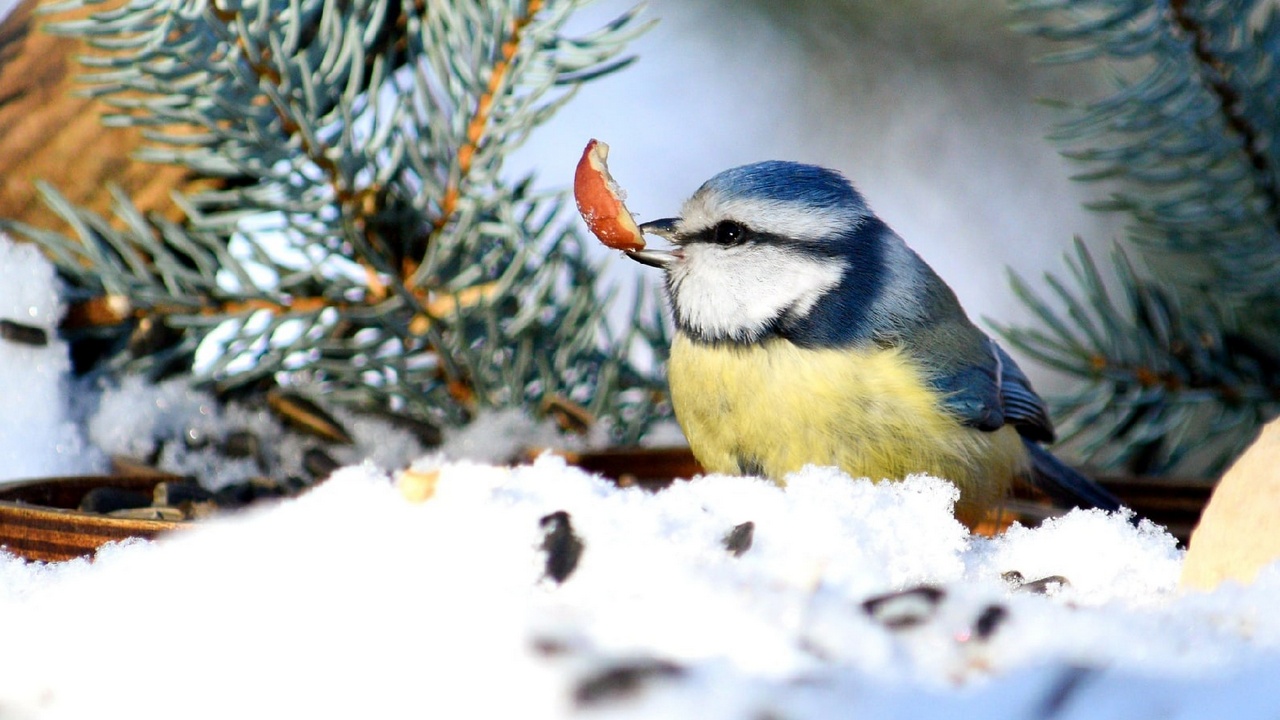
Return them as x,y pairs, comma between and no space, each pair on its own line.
929,106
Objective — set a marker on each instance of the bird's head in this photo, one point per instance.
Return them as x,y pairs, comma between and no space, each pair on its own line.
760,246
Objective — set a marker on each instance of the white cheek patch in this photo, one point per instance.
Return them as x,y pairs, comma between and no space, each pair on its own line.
802,223
737,291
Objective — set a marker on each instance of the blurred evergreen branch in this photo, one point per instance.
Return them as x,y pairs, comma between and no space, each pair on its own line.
361,235
1183,371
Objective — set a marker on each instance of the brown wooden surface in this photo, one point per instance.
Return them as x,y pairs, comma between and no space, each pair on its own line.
37,522
652,468
47,132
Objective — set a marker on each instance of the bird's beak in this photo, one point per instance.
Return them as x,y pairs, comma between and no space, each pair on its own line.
661,259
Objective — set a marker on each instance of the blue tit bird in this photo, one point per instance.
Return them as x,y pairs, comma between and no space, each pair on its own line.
808,332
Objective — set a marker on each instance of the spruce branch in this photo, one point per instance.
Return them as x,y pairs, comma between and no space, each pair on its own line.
1165,383
1189,134
1180,373
363,235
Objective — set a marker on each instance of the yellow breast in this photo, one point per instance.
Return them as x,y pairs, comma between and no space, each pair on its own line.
773,407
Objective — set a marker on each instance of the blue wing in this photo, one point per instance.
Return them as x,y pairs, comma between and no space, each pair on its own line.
990,395
1023,408
995,392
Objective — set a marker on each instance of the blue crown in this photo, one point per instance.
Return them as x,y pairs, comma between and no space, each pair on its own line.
786,181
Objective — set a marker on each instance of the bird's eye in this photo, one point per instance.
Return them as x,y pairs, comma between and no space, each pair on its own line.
729,232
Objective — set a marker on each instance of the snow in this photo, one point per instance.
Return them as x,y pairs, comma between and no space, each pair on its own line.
352,601
39,434
852,599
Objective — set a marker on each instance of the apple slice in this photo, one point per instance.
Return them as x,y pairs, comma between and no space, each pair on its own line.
600,201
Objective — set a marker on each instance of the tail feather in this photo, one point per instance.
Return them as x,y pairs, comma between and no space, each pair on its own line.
1066,486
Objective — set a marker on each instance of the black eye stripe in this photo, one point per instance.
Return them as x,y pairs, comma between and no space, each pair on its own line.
732,233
